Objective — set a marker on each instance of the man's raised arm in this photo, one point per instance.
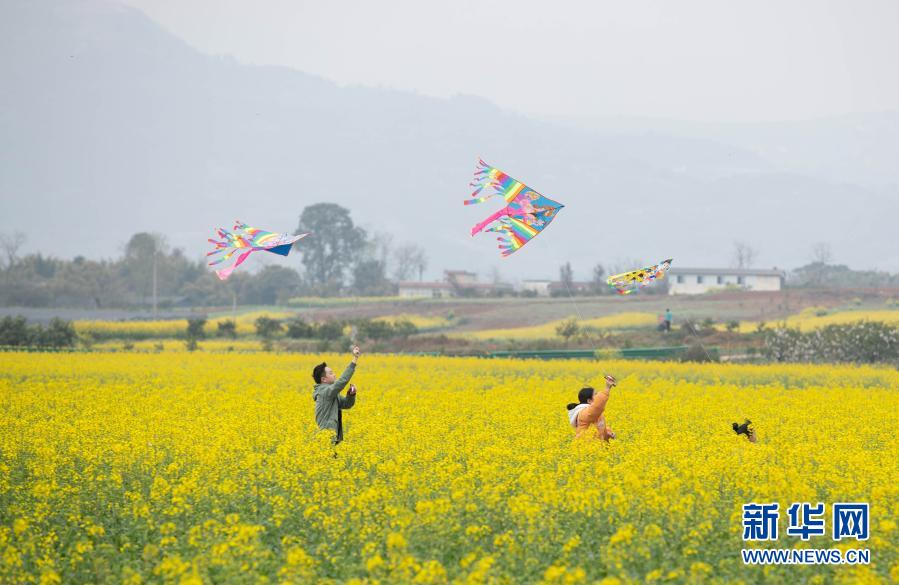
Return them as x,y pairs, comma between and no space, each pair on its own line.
334,389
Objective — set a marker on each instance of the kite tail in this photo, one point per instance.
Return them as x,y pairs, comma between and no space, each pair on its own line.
507,241
504,212
226,272
483,177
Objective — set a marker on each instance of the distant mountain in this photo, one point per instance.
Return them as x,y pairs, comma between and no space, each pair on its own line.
110,125
856,148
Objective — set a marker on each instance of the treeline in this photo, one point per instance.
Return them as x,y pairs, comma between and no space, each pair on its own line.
342,258
862,343
16,332
823,275
299,328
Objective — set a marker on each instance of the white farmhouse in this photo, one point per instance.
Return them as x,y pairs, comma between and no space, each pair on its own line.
425,290
455,283
694,281
537,287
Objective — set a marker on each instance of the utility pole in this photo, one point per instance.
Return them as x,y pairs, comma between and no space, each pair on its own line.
155,315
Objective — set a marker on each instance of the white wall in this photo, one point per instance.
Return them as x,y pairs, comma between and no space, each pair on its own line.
540,287
692,286
763,282
423,293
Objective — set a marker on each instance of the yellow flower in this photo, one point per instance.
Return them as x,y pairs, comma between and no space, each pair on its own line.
453,470
374,563
50,577
19,526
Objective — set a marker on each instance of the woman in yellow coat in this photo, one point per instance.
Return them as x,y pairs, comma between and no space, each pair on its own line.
588,412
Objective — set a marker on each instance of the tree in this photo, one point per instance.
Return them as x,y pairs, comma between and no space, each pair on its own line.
297,328
744,255
566,276
266,327
409,259
568,329
227,328
821,253
15,331
598,284
196,328
142,251
420,261
380,248
329,330
271,285
369,279
335,247
10,244
59,334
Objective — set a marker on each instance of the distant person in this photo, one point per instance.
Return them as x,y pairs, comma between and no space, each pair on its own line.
588,412
329,404
668,319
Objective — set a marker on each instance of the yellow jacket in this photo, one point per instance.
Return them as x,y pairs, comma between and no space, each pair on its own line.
592,416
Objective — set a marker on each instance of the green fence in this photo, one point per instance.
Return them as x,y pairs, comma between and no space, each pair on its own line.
645,353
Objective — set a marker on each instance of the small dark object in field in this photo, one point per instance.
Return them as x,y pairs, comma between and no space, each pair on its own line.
744,429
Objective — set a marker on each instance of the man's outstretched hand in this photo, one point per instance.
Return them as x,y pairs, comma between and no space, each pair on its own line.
356,353
610,382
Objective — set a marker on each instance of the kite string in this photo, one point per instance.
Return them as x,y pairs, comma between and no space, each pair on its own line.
576,309
692,329
571,297
690,325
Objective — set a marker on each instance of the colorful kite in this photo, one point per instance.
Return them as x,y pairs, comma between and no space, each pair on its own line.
526,214
243,240
628,282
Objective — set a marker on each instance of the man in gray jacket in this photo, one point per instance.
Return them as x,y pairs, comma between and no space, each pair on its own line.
329,404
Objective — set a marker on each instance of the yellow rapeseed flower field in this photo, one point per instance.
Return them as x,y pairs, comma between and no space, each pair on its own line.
816,318
202,467
164,329
422,322
179,345
626,320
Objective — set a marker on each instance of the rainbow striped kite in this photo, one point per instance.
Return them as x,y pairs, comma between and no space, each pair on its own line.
526,214
243,240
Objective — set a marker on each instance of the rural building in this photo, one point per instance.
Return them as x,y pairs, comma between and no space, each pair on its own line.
552,288
695,281
538,287
425,290
456,283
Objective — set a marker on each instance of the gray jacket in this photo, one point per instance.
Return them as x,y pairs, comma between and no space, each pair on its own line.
328,400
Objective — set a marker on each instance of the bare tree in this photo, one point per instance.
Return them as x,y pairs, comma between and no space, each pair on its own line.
495,276
10,243
420,260
598,284
821,253
381,245
744,255
409,259
566,275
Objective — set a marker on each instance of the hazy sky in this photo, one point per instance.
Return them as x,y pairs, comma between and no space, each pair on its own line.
707,60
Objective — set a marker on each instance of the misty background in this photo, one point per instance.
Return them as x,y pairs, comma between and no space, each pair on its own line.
667,129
